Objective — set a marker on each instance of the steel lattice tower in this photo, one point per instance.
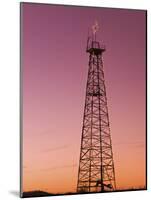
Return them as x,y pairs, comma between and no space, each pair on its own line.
96,167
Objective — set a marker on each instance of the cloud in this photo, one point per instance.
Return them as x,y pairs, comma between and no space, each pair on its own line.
139,144
59,167
57,148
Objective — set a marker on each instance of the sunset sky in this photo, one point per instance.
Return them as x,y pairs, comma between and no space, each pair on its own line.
55,66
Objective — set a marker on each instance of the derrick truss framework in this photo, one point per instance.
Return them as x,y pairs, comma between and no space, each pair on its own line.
96,166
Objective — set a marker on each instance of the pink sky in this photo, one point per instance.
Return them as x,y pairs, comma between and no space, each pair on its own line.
55,67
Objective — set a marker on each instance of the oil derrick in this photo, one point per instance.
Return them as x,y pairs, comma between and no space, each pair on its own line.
96,166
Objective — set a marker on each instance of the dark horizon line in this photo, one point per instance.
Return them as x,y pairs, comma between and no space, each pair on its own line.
40,193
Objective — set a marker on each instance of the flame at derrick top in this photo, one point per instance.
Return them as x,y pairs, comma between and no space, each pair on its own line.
93,45
95,27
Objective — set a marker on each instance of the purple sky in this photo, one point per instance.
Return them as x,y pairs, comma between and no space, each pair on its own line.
55,67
